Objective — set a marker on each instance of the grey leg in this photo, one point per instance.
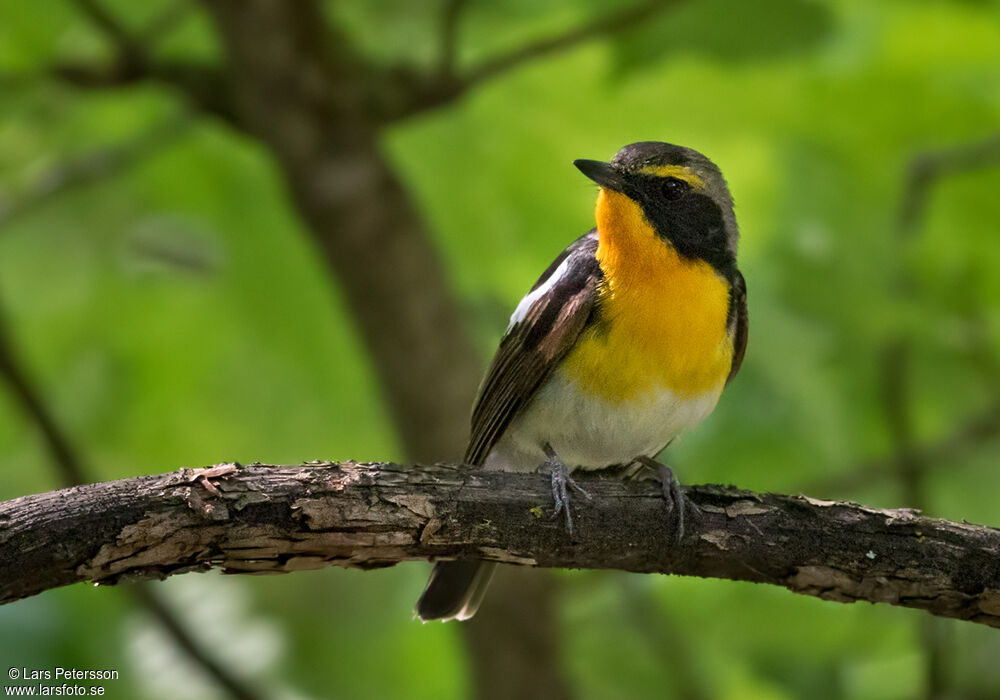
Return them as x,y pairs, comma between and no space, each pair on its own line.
673,497
561,479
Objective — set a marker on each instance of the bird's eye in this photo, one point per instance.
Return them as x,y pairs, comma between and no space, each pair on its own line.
675,188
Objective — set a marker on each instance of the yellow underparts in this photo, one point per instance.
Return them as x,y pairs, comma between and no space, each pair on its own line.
662,320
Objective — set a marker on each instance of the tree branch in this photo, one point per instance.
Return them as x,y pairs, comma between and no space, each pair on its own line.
166,21
262,519
70,466
925,170
451,15
928,167
204,86
92,167
235,686
444,86
896,360
319,108
976,431
58,444
598,27
107,24
359,213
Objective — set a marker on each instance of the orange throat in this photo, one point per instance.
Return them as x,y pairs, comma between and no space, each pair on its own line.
662,320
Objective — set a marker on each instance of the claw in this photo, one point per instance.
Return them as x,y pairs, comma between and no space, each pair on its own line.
673,497
561,479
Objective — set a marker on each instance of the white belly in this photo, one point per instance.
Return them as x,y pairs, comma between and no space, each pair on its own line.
590,433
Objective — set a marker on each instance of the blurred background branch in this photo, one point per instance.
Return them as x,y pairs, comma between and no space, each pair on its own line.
71,471
168,20
68,465
621,20
451,16
108,25
449,82
897,384
928,167
89,168
977,432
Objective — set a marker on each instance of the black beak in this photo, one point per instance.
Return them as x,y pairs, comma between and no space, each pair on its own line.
604,174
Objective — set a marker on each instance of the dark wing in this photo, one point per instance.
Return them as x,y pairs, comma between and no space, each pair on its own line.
738,316
544,327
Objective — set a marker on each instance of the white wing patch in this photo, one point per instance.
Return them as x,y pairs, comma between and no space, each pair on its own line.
534,295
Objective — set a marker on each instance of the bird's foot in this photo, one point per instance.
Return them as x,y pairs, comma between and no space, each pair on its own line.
676,502
561,483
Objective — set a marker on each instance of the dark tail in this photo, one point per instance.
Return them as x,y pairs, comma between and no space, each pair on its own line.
455,590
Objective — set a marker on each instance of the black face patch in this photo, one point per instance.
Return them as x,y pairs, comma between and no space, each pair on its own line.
693,222
690,220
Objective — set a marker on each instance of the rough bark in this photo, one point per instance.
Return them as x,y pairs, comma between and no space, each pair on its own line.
262,519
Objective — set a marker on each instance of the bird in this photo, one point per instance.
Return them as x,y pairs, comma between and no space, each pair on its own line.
625,341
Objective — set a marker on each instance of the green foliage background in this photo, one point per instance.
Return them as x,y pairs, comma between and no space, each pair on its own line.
812,109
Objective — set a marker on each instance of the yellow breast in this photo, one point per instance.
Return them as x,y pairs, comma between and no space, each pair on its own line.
662,320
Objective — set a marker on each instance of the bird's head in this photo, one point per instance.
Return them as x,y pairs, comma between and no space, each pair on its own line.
678,193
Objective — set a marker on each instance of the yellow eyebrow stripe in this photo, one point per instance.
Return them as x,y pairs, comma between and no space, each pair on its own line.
679,171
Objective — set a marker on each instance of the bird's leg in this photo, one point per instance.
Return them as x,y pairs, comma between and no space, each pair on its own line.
559,474
673,497
633,471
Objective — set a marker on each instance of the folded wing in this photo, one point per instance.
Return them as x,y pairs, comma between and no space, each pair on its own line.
542,330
